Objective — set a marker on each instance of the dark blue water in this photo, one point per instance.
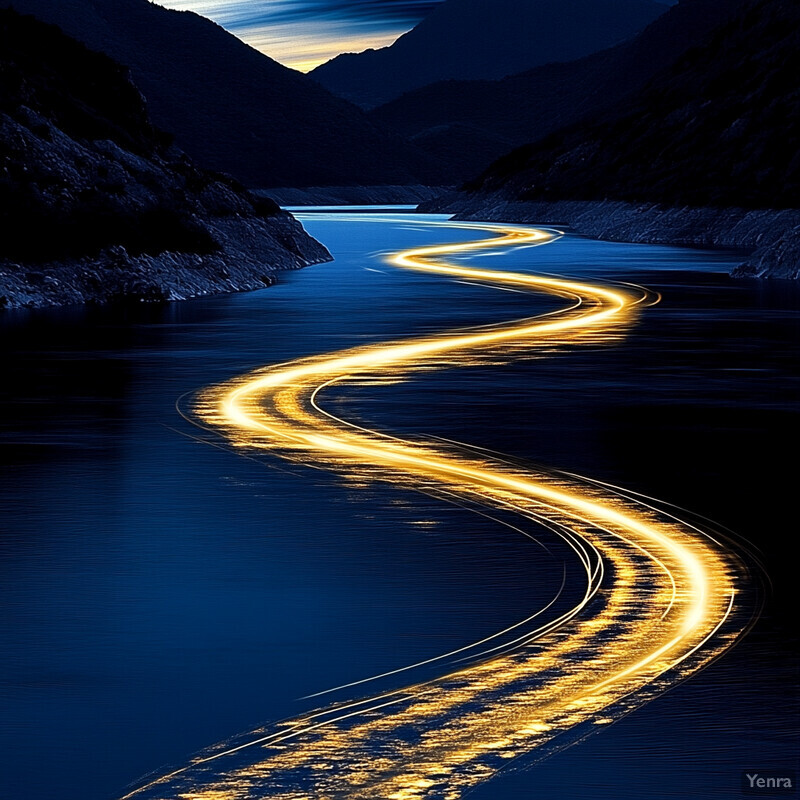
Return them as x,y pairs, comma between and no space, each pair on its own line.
160,594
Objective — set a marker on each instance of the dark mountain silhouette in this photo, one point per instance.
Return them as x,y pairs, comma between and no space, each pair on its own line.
481,120
94,201
719,128
232,108
479,39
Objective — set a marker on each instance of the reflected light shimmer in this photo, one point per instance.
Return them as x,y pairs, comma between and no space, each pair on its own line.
659,600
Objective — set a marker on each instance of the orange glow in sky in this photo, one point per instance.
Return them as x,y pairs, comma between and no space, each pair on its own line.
305,33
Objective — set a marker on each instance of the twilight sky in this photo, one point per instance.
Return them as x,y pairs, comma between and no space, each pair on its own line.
304,33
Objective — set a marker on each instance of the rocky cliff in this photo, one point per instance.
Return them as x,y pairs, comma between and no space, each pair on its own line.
95,204
232,108
469,124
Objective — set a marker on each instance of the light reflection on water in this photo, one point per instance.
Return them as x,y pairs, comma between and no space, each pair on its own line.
161,594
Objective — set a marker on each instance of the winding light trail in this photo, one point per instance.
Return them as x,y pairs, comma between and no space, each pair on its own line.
656,604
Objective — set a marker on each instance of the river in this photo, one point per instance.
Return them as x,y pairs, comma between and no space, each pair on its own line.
162,593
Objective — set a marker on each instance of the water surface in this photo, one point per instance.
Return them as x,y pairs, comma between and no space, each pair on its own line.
160,594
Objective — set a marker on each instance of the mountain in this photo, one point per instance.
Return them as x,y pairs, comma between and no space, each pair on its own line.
484,39
95,204
230,107
481,120
705,154
719,128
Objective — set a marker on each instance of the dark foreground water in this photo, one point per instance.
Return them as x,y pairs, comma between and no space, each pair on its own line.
160,594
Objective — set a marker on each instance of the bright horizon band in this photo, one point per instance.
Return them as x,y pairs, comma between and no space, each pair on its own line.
303,35
656,604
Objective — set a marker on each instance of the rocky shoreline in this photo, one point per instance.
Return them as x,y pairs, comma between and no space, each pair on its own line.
770,238
97,205
251,252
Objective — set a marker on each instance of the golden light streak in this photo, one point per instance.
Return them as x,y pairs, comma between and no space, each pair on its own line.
656,606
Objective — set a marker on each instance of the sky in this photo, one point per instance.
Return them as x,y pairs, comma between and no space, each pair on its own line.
304,33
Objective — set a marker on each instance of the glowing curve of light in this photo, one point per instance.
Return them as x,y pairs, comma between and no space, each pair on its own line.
658,605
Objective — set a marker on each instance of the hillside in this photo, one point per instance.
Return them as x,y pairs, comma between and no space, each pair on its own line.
704,155
230,107
482,120
484,39
94,202
718,128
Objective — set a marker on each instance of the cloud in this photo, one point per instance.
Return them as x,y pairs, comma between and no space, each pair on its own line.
247,13
303,45
303,33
